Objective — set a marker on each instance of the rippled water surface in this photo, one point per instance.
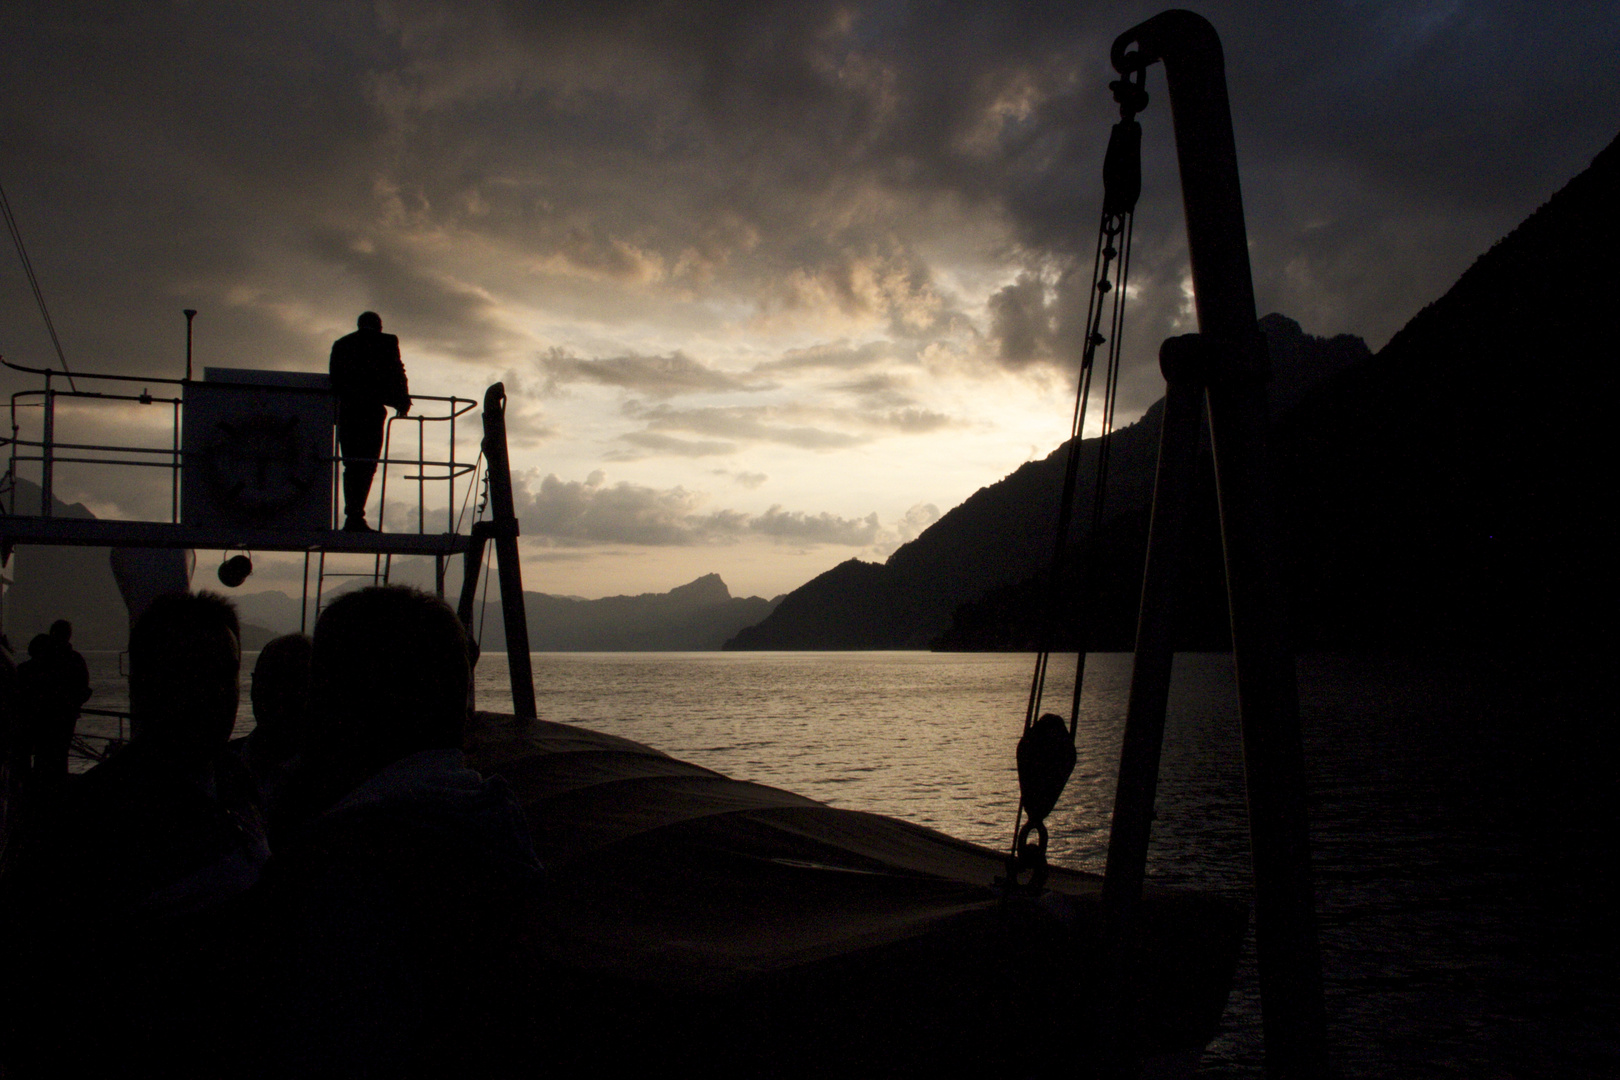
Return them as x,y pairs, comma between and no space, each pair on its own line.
1456,922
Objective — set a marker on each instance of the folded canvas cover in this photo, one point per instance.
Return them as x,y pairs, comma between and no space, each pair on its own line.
692,918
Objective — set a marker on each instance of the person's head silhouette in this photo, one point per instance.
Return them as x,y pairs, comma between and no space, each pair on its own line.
280,694
185,656
62,631
369,320
389,678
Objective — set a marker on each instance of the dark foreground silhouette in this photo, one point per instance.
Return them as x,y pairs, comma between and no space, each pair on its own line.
385,937
124,905
403,925
275,749
393,917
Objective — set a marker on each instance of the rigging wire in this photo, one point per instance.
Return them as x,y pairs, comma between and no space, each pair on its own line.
472,486
1121,187
1114,230
1105,440
478,515
33,282
483,603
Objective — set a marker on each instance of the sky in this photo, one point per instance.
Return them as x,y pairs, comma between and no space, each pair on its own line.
769,285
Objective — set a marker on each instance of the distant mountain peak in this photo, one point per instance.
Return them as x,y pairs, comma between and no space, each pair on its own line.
28,497
1300,362
708,589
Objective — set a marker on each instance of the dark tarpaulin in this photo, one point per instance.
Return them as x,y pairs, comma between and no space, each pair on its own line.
692,918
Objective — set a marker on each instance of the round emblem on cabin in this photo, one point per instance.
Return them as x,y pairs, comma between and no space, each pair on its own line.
256,466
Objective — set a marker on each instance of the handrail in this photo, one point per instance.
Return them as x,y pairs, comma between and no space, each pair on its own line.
81,739
452,468
466,404
444,409
49,372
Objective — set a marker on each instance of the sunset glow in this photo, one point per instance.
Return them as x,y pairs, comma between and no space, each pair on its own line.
769,286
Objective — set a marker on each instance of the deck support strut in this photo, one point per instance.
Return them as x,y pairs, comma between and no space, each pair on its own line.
1226,365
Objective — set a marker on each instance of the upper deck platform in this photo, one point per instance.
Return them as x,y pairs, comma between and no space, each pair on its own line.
251,464
90,532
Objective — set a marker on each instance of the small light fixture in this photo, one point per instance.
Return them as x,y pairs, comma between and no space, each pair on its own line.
235,570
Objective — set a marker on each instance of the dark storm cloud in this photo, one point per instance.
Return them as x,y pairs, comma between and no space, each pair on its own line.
879,390
1043,318
749,480
431,310
652,376
785,425
667,444
155,151
820,528
761,423
839,356
217,158
1425,129
1021,322
174,154
908,421
595,512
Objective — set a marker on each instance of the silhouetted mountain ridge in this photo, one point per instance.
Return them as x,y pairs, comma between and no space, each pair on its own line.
700,615
697,616
1457,483
1419,494
50,583
986,561
76,584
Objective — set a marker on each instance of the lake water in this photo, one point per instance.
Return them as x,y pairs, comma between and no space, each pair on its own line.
1456,903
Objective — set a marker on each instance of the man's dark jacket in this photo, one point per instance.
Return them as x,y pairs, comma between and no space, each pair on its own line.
367,374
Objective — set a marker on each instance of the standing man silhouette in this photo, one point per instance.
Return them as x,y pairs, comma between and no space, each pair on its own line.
367,374
54,682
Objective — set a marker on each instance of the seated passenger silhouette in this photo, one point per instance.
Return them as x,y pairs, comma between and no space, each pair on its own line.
398,913
367,374
280,696
127,898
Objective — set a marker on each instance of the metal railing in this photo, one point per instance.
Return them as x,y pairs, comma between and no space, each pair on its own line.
84,745
452,469
48,451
